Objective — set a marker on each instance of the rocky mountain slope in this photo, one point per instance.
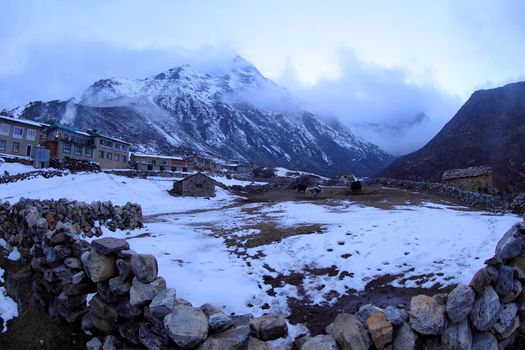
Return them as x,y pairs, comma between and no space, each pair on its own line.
235,113
488,130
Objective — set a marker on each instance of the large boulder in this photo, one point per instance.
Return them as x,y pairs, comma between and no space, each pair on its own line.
99,267
396,316
459,303
380,329
163,303
109,245
510,245
269,327
485,309
484,341
187,326
350,333
406,338
145,267
427,315
506,321
480,281
457,336
140,293
320,342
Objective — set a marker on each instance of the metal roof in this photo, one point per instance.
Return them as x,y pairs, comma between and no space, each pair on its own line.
22,121
467,172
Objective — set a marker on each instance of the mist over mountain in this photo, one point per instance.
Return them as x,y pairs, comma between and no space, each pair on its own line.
232,112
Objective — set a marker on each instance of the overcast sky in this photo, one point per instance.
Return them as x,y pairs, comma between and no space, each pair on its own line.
361,61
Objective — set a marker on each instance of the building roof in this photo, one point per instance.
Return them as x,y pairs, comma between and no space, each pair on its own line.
467,172
95,134
145,155
68,128
22,121
197,174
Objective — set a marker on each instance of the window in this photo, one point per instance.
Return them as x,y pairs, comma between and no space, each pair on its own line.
110,155
120,146
4,129
66,148
78,150
154,162
18,132
88,153
173,168
163,162
106,143
161,168
31,134
117,157
2,145
101,154
123,158
16,147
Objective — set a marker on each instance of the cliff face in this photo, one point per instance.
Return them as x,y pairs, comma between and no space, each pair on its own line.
489,129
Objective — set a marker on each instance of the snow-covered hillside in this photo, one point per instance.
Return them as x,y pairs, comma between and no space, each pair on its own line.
232,113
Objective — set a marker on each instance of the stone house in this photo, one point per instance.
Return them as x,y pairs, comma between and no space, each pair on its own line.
236,167
19,137
201,163
153,162
473,179
198,185
67,142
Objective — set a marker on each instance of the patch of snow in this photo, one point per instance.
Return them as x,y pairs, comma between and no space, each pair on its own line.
8,307
15,168
14,255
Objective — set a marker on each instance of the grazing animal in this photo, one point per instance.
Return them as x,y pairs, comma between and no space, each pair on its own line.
313,190
356,186
301,188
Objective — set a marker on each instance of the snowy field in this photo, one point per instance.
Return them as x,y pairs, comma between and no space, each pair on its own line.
226,251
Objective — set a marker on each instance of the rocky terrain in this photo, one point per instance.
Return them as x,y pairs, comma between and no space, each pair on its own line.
487,130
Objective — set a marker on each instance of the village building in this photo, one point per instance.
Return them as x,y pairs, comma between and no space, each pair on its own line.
153,162
66,142
474,179
201,163
19,137
197,185
236,167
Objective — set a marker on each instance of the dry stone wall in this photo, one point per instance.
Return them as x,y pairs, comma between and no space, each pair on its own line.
117,296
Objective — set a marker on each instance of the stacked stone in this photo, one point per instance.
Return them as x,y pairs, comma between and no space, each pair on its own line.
47,174
115,293
84,218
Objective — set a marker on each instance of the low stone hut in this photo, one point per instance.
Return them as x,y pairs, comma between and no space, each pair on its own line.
474,179
198,185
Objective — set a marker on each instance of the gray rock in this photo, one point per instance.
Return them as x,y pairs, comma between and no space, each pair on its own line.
380,329
144,266
457,336
459,303
329,329
78,277
269,327
396,316
140,293
406,338
505,320
505,282
320,342
94,344
485,309
209,309
218,321
480,281
517,288
98,267
103,310
256,344
111,343
427,315
109,245
163,303
119,287
365,311
187,326
123,268
73,263
510,245
126,310
350,333
232,338
484,341
151,340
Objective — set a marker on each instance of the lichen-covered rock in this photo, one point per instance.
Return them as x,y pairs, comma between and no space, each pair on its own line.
151,340
140,293
510,245
145,267
459,303
480,281
505,282
99,267
506,321
109,245
380,329
484,341
485,309
427,315
232,338
187,326
320,342
163,303
396,316
350,333
119,287
218,321
269,327
457,336
406,338
365,311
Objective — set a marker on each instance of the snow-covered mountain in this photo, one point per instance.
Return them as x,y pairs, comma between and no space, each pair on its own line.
232,112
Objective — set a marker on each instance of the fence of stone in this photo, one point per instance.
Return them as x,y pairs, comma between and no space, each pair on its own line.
118,297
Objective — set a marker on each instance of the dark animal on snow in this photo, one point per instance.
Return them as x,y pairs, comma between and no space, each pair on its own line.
313,190
301,188
356,186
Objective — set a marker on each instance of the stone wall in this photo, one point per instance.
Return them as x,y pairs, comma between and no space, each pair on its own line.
117,296
31,175
501,202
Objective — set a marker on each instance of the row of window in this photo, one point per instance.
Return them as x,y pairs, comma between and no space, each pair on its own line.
15,147
67,148
109,144
18,132
173,168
